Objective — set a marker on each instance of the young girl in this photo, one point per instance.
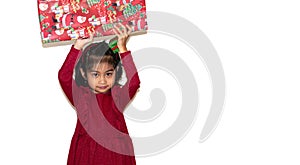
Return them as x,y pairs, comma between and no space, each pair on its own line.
101,136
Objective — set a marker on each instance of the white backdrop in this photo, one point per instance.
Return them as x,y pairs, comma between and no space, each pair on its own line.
257,42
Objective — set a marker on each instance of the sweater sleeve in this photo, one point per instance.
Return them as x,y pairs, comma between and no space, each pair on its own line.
65,74
123,95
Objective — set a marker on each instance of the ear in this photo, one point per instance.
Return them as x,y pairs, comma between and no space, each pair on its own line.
82,73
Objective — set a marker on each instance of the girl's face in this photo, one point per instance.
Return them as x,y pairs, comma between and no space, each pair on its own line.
101,77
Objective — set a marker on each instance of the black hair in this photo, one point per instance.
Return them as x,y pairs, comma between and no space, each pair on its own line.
94,54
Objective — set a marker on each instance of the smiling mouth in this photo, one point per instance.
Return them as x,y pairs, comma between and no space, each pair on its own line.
102,87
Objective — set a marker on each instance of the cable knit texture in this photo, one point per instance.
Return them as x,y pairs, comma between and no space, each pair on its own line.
101,136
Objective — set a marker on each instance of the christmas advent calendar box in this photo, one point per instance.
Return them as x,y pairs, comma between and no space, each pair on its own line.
63,21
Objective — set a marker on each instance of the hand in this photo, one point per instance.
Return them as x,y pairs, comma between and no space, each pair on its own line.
79,43
123,34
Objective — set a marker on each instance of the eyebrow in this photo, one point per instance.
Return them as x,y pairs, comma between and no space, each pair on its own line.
110,70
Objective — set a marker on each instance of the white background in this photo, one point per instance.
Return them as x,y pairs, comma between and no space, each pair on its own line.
258,44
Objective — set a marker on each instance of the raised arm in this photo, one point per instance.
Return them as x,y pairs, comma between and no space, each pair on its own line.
124,94
65,74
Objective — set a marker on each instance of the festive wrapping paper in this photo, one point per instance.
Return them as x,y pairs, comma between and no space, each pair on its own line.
63,21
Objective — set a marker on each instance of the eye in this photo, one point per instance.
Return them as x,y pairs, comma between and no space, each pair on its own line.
95,74
109,74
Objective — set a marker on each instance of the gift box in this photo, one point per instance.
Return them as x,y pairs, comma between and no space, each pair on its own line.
63,21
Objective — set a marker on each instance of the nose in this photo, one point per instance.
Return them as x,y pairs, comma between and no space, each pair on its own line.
102,80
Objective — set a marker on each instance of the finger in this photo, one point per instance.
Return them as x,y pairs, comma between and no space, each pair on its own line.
130,29
115,31
91,37
91,34
119,32
88,38
124,29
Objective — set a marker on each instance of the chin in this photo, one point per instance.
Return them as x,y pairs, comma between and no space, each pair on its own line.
102,91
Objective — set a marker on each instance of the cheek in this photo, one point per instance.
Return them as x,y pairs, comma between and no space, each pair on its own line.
90,79
92,83
112,80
